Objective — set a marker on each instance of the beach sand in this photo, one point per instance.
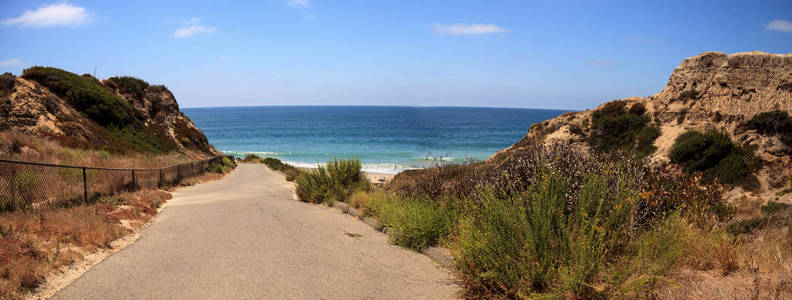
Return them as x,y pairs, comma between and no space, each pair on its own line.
379,178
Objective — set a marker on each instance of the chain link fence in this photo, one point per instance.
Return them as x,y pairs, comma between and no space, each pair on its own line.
24,184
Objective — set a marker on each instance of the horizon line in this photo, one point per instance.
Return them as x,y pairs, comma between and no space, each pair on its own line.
375,105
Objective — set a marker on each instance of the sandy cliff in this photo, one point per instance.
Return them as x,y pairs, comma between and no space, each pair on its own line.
29,106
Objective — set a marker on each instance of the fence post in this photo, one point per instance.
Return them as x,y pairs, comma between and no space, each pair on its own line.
85,186
159,181
134,184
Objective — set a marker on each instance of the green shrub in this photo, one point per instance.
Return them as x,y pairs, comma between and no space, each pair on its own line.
411,223
776,122
142,140
600,219
771,122
747,226
276,164
333,182
715,155
86,95
222,167
661,248
100,104
217,168
228,162
518,244
614,129
250,157
491,252
774,207
650,257
7,82
185,141
130,85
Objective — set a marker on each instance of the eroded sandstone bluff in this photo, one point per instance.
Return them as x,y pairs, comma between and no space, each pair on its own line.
712,90
152,116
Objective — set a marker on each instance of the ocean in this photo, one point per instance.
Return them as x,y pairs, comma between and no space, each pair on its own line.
385,139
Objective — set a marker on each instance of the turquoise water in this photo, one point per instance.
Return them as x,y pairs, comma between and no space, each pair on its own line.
385,139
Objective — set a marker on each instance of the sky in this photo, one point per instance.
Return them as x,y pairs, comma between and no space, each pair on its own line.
564,54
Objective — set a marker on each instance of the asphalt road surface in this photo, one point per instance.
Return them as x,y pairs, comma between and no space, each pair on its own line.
245,237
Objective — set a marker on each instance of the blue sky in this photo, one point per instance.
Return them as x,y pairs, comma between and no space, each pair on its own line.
538,54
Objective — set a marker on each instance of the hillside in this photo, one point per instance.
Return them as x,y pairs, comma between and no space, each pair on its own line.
710,91
119,114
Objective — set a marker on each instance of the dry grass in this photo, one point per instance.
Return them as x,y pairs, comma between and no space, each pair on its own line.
206,177
20,146
36,244
29,186
756,265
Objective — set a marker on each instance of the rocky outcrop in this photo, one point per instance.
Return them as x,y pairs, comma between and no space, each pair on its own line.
30,107
708,91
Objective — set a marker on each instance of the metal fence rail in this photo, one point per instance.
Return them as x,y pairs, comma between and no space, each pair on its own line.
24,183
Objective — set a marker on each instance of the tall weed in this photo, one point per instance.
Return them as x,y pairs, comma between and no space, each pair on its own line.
412,223
333,182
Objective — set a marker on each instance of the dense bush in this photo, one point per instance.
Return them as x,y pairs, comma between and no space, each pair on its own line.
613,128
7,81
122,128
142,140
410,222
553,220
716,156
276,164
223,166
774,207
332,182
251,158
522,243
776,122
129,85
771,122
86,95
434,182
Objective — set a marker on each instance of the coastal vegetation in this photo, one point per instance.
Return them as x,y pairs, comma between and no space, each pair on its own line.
715,155
129,85
119,121
334,181
275,164
552,222
40,236
777,122
48,221
37,243
616,128
84,93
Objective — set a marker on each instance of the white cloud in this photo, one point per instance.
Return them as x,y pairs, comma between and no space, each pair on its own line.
468,29
602,63
191,28
58,14
299,3
779,25
10,62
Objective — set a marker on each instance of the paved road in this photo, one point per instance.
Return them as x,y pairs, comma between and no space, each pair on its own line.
245,237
